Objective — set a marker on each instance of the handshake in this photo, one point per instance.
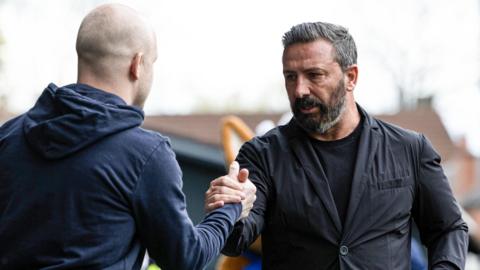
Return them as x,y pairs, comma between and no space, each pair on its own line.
232,188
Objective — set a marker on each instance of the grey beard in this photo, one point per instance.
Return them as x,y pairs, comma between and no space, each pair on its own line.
332,117
329,115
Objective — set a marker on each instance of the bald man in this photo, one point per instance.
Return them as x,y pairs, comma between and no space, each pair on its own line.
82,186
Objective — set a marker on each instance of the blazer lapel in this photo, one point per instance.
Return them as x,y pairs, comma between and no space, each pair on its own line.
367,149
315,174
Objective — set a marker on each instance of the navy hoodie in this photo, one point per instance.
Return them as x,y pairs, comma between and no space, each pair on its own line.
82,186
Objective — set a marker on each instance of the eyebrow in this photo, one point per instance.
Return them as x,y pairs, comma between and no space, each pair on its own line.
314,69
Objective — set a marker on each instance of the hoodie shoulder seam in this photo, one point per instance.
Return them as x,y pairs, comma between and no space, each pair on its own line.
147,160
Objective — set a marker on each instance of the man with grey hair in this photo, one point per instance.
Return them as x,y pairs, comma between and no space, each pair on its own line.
82,186
337,188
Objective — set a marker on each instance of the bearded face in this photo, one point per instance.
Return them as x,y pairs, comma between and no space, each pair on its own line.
327,115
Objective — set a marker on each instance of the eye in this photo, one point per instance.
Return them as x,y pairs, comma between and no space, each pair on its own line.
315,75
290,77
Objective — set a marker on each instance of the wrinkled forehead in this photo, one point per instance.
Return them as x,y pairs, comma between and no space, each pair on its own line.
319,51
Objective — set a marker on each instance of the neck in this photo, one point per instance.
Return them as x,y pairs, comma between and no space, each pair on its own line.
110,86
347,124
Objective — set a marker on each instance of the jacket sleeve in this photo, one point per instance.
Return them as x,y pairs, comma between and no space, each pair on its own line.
436,212
162,221
248,229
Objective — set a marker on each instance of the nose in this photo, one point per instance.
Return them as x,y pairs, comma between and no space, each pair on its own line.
301,88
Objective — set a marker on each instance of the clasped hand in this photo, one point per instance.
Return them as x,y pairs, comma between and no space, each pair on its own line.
232,188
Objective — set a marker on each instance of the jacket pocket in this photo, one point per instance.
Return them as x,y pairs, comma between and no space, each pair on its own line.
394,183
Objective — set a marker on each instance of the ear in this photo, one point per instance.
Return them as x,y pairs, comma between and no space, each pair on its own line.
135,66
351,76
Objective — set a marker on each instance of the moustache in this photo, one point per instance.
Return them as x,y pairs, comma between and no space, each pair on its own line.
309,102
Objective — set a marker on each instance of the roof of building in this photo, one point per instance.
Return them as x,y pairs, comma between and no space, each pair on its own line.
203,128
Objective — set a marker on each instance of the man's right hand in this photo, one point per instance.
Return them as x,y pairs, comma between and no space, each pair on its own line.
232,188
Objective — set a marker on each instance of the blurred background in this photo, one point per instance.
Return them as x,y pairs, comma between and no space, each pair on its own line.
419,63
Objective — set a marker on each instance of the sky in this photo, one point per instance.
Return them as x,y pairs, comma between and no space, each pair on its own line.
220,55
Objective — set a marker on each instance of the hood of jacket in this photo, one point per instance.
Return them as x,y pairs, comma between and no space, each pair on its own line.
66,119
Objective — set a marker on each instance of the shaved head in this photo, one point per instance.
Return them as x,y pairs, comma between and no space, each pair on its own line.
110,37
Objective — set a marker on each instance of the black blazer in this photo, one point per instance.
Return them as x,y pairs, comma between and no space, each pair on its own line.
397,179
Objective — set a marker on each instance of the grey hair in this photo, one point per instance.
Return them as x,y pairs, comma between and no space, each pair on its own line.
342,41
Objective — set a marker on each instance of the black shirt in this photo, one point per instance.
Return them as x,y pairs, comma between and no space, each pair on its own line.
338,161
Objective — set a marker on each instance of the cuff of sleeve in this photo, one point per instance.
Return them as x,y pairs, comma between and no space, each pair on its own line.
446,264
231,210
237,207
